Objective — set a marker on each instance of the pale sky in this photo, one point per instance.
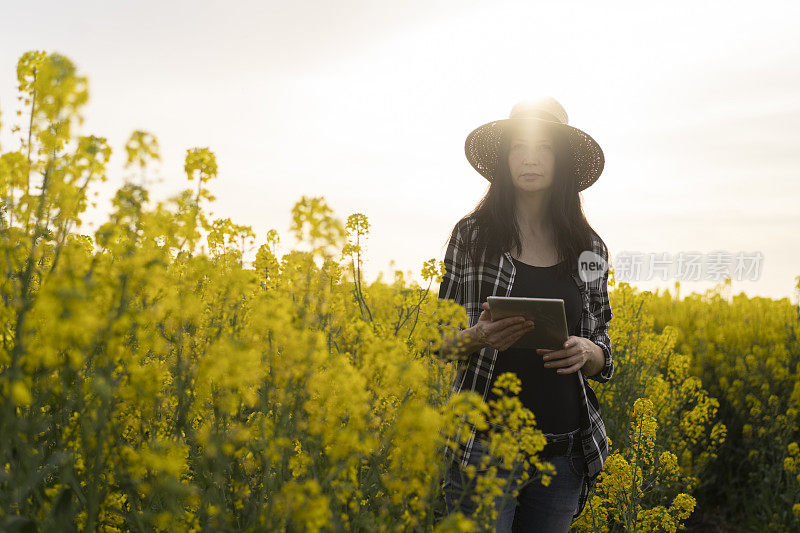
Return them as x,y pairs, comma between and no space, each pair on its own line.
695,104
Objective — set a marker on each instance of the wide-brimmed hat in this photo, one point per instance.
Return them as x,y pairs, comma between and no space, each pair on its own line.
483,143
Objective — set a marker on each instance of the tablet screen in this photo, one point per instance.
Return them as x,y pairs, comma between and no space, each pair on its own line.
548,315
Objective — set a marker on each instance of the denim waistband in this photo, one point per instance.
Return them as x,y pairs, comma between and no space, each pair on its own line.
555,443
551,437
554,440
556,437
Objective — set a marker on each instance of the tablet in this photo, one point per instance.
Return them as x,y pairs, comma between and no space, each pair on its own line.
548,315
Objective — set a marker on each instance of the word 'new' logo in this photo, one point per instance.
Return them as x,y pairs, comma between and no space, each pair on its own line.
591,266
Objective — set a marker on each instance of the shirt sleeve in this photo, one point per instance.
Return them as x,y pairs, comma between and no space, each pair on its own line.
452,285
602,308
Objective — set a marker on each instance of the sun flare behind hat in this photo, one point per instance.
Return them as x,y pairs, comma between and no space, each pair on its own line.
483,143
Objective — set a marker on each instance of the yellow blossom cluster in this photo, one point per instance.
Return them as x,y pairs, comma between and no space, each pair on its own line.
746,352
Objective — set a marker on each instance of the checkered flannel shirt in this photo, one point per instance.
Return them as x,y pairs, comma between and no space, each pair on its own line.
469,286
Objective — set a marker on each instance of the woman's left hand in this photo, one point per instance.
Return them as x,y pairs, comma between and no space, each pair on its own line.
576,352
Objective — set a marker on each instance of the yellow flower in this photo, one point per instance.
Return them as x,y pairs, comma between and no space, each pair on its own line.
20,394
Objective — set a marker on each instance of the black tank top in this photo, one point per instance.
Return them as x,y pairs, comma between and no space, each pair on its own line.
554,398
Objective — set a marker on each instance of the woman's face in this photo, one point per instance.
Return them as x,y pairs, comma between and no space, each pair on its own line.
531,158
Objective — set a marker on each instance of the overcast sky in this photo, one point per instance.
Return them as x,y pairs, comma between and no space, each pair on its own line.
695,104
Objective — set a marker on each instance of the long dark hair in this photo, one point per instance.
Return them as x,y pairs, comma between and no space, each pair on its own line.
496,228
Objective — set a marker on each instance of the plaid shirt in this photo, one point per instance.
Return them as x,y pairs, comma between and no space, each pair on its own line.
469,287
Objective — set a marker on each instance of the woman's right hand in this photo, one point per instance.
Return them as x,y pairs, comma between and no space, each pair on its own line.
499,334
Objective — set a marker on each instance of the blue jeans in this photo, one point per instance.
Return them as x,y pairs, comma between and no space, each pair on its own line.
537,508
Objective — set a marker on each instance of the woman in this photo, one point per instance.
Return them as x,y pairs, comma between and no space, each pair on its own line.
528,237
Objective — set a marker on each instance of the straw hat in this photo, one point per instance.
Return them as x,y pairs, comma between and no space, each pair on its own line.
483,142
